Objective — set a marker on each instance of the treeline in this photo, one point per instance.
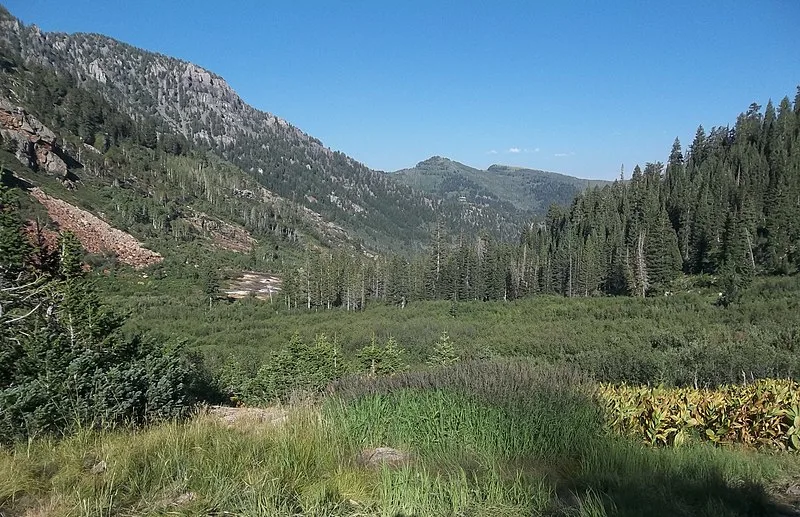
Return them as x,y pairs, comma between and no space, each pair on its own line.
728,206
469,270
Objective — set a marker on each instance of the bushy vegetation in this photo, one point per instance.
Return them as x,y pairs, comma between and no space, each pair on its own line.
64,360
299,370
765,413
684,339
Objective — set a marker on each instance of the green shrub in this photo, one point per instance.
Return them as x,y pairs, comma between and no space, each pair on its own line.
58,386
65,361
300,369
381,360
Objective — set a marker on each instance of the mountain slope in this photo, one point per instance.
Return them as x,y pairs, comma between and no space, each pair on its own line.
200,105
179,200
506,188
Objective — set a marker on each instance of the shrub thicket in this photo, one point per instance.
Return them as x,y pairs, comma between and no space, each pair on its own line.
763,414
64,359
300,369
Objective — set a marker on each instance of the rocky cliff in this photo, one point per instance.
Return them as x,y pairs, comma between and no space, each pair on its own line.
33,143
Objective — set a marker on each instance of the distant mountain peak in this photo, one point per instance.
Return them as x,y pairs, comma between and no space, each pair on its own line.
434,160
504,186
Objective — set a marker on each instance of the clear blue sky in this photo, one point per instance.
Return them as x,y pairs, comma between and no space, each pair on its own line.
579,87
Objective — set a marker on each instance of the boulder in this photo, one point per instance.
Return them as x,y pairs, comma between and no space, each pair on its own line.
378,456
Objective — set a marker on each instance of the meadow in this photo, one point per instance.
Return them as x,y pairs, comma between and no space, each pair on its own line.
685,338
514,424
527,442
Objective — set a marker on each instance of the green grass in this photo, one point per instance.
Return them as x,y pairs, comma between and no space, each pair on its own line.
528,443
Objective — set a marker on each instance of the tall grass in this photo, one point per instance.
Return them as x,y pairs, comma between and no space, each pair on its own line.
504,439
193,468
500,409
514,422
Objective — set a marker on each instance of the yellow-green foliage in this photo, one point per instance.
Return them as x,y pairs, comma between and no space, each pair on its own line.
763,414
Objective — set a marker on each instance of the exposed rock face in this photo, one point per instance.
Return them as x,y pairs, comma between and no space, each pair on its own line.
96,235
36,144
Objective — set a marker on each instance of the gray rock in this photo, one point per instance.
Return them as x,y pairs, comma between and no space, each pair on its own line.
99,468
185,498
37,146
383,456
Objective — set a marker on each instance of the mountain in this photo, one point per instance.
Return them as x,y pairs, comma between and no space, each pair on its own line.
169,96
167,193
508,189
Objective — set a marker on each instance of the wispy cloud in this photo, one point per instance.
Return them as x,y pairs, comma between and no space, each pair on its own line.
517,150
493,151
562,155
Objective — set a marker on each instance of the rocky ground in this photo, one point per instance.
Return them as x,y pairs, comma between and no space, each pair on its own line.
225,235
251,283
96,235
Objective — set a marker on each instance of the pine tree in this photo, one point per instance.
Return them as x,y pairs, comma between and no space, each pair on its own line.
444,352
14,248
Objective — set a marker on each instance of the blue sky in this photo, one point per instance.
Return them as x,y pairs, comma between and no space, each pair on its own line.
579,87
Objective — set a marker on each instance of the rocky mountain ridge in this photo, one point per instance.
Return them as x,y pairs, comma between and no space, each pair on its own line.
200,105
116,183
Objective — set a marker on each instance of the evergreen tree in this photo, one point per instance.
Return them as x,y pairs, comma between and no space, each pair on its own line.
14,248
64,360
444,352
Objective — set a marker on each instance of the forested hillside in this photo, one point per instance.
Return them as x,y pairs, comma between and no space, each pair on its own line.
167,95
162,188
516,190
728,206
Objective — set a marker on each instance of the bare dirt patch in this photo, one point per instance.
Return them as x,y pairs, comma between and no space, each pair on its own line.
252,283
96,235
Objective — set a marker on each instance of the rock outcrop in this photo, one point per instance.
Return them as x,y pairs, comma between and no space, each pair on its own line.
36,144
